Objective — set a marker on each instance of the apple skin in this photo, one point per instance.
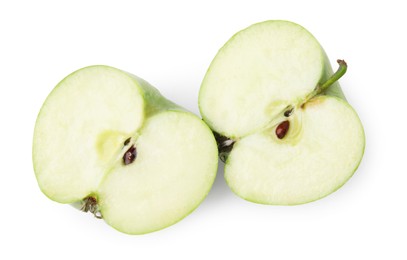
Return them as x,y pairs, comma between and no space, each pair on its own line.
155,102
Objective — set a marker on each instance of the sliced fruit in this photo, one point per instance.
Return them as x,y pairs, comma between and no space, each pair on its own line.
282,123
110,142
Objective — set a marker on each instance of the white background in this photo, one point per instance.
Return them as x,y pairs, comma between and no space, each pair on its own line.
170,44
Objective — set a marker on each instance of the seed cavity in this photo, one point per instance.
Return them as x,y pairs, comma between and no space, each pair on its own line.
130,155
282,129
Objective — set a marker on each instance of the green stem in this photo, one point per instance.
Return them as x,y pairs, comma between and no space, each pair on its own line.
335,77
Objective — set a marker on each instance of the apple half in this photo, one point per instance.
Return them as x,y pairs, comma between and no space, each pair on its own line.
109,142
283,125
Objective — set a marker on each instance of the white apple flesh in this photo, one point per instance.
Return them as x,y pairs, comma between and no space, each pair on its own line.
108,140
284,127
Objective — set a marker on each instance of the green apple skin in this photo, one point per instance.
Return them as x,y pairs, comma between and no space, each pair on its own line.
138,111
321,72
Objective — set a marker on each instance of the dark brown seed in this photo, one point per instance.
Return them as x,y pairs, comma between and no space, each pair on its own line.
127,141
282,129
288,112
130,155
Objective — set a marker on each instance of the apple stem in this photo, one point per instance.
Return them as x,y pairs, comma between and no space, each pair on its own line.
225,146
336,76
331,80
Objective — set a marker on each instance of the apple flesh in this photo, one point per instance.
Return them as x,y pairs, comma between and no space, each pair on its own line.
108,141
282,123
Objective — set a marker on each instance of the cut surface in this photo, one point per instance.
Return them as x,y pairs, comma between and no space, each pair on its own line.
174,170
320,152
258,72
82,124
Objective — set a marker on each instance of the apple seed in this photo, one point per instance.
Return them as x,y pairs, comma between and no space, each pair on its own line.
127,141
130,155
282,129
288,112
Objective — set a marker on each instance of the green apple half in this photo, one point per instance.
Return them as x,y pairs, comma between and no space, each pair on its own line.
108,140
283,125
